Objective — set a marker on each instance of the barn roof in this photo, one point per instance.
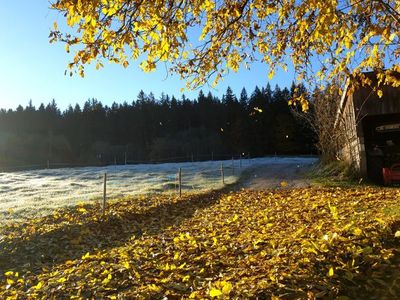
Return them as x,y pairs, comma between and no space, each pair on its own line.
343,101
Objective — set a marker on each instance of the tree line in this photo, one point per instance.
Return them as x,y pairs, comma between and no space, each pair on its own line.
150,129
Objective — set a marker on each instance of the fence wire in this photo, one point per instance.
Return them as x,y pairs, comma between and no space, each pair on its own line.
176,159
35,193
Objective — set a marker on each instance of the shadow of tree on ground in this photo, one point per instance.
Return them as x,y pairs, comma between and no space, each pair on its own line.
35,252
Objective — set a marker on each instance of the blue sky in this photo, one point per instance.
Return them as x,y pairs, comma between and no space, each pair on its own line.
32,68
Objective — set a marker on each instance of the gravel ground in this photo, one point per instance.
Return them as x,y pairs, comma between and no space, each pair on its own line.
273,176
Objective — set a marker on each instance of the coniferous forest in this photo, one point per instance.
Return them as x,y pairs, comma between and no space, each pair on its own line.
154,130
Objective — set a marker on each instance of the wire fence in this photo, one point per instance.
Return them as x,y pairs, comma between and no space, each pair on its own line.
34,193
181,180
39,192
175,159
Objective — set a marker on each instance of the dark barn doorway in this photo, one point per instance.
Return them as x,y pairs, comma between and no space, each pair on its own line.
382,143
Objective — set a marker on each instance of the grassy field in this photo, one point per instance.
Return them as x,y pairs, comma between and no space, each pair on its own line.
308,243
35,193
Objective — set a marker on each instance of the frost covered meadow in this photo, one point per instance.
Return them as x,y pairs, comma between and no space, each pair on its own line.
27,194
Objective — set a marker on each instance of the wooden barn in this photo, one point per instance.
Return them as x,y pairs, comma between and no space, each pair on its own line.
371,129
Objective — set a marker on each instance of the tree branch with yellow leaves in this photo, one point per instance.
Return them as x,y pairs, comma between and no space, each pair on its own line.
347,36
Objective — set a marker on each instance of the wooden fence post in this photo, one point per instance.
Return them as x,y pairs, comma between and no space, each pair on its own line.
233,166
180,182
104,193
222,173
212,156
48,164
240,160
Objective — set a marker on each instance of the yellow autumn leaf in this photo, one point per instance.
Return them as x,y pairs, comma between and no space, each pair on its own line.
165,280
227,288
215,292
154,288
271,74
330,272
182,266
38,286
82,210
107,279
304,105
126,265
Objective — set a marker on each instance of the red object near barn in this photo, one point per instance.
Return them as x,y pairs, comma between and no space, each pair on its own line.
391,174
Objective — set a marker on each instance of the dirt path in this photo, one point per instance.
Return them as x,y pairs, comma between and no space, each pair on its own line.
280,175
